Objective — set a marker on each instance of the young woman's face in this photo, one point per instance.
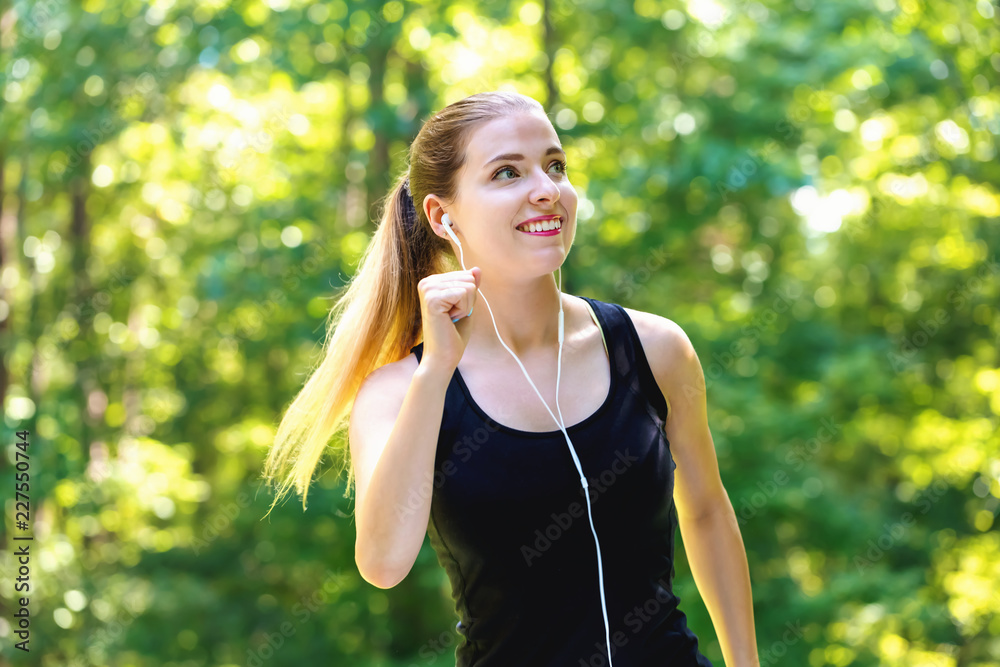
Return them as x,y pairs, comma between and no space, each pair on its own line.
515,170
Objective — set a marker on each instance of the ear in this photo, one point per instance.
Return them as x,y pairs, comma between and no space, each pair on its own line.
434,209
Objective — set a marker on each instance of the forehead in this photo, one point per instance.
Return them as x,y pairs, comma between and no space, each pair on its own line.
522,132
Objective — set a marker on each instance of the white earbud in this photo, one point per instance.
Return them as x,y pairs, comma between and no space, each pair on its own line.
448,224
446,219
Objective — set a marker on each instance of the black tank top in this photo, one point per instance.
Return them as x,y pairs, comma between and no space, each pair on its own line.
510,527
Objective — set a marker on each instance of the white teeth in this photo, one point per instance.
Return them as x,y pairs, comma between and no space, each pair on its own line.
547,225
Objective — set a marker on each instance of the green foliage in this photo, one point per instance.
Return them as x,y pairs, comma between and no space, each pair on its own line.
809,189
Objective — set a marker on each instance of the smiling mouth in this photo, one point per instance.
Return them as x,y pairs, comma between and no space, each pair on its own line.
550,226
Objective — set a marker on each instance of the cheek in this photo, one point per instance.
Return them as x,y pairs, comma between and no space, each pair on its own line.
570,200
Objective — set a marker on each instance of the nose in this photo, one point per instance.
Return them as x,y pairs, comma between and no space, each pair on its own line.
544,190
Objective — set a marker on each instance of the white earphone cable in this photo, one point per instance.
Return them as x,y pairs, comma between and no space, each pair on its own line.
559,422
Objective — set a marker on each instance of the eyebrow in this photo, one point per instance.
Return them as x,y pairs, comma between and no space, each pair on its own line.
518,156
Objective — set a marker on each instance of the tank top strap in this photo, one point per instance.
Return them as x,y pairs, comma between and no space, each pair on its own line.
630,358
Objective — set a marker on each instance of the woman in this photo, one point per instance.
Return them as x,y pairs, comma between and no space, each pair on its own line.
449,438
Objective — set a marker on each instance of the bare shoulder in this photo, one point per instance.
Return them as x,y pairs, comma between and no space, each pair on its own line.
670,354
388,381
381,394
395,372
663,340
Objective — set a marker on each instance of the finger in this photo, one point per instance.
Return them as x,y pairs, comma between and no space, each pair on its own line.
450,297
457,306
458,313
462,314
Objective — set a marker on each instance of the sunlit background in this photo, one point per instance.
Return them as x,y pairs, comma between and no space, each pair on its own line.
810,189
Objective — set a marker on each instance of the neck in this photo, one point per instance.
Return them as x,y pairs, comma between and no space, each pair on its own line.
527,316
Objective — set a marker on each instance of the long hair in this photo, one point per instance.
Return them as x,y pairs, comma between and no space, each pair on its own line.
377,319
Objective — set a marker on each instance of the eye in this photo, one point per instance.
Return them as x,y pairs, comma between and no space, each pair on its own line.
561,163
